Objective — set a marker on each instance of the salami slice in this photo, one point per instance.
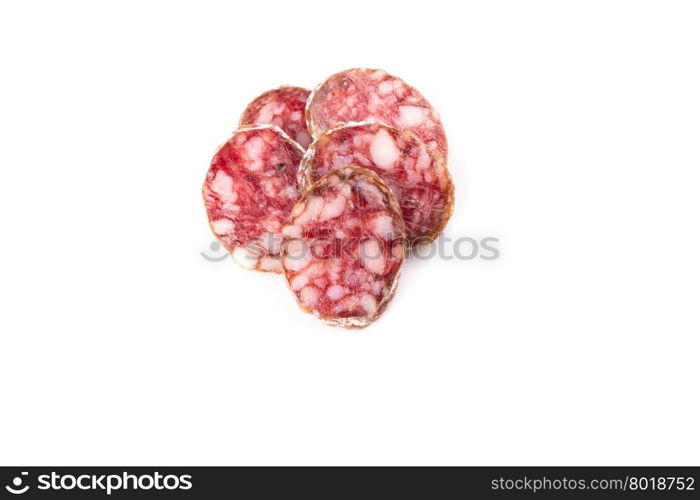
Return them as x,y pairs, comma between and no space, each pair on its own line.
357,95
283,107
249,192
343,249
417,177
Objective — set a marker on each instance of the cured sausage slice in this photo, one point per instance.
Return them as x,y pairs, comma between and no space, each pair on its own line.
417,177
373,95
283,107
343,249
249,192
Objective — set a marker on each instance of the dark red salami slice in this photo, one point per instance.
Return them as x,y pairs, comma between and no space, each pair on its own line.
283,107
343,249
372,95
417,177
249,192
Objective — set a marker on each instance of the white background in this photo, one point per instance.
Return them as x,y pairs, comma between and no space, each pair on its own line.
574,132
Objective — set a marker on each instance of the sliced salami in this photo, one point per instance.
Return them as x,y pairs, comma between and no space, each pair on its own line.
372,95
249,192
417,177
283,107
344,247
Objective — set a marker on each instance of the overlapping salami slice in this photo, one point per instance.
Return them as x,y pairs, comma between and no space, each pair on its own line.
417,177
249,192
283,107
344,247
357,95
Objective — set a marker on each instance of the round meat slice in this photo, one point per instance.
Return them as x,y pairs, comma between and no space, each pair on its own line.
344,247
249,192
373,95
283,107
417,177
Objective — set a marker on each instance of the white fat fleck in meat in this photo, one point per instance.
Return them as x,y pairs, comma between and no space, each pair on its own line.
352,223
303,138
313,207
372,256
355,278
411,116
298,282
321,282
341,161
253,151
271,242
271,264
335,270
222,185
254,165
336,292
333,208
413,177
297,256
390,101
230,208
369,304
272,225
268,188
266,113
375,103
346,190
222,226
309,295
245,258
423,161
316,269
385,87
289,192
383,150
291,231
383,226
349,303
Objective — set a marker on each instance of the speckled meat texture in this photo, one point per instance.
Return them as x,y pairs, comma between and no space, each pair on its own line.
417,177
283,107
249,192
343,248
372,95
